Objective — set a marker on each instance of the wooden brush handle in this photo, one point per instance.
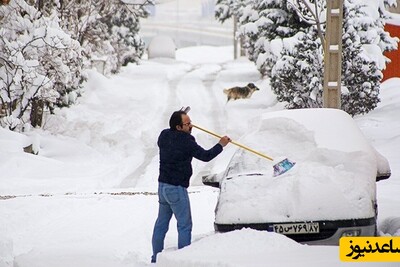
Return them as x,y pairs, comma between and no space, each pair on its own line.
233,142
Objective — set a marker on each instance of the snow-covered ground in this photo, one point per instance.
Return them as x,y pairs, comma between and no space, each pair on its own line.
89,197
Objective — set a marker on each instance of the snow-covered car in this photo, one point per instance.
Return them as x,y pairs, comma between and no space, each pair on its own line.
329,193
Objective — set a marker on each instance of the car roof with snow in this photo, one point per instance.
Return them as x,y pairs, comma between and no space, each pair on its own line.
333,179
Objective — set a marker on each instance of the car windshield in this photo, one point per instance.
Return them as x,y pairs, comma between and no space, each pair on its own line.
245,163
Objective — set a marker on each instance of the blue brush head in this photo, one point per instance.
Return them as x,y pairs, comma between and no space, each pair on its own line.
283,166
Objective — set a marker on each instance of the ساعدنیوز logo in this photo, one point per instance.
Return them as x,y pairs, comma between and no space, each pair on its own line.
369,249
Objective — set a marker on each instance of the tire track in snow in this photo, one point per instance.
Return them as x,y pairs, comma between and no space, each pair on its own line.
147,172
214,112
197,90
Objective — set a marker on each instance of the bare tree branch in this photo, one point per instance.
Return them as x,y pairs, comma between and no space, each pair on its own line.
314,20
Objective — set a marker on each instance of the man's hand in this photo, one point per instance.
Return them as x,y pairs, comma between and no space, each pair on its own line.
224,141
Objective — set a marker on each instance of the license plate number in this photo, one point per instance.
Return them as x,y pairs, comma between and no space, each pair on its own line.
296,228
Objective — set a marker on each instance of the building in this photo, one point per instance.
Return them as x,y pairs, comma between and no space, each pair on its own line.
393,27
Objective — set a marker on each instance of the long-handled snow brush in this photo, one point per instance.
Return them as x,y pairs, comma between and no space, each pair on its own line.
279,168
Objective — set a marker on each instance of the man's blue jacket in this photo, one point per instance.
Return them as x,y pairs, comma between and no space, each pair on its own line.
177,149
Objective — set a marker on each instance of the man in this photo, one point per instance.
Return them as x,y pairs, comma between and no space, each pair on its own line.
177,148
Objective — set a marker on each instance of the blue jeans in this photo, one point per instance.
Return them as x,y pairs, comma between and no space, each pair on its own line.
172,200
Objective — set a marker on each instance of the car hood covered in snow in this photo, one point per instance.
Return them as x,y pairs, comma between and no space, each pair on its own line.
334,177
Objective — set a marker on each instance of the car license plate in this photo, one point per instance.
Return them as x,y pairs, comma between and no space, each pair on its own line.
296,228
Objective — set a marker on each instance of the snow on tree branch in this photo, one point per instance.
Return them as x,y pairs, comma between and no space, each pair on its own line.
37,54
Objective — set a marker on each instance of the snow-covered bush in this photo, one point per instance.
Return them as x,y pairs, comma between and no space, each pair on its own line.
39,64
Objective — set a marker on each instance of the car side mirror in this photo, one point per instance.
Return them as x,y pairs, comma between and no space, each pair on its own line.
382,176
212,179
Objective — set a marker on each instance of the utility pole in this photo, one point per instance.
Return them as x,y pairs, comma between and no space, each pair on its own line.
238,46
333,54
235,41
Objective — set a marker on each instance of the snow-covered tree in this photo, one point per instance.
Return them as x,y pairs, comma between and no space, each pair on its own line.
106,30
311,11
361,74
38,64
123,28
226,9
262,22
280,33
296,77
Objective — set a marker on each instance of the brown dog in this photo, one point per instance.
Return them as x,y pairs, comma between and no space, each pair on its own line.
238,92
